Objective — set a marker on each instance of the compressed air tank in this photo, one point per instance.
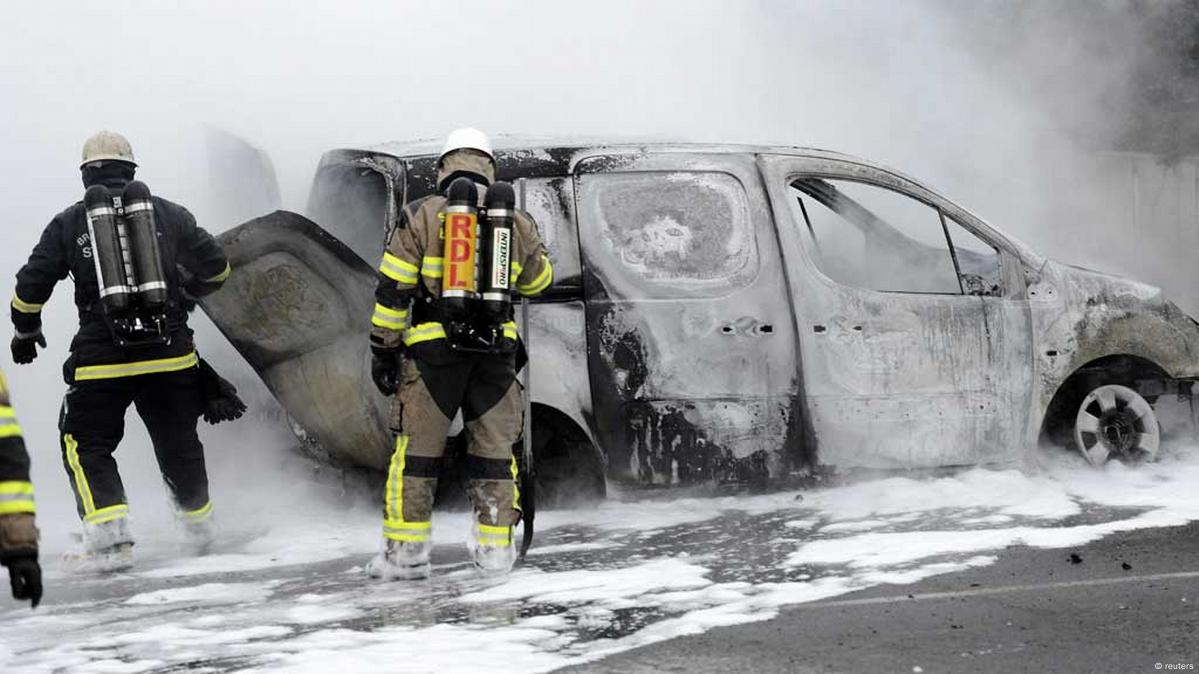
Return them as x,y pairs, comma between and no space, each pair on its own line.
151,287
460,282
496,233
110,252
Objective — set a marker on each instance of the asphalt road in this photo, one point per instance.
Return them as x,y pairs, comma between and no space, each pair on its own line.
1126,603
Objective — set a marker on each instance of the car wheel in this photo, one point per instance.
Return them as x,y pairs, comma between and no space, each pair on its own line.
1116,422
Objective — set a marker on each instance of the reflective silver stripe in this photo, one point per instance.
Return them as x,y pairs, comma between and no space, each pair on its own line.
393,270
138,206
156,285
496,297
28,335
456,293
460,209
499,213
16,497
113,290
101,210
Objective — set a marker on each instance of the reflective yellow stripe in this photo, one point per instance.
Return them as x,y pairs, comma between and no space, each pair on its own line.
423,333
108,514
81,486
93,372
510,330
9,428
542,281
199,514
221,276
25,307
494,536
391,319
515,486
16,487
16,497
433,267
395,480
398,270
398,530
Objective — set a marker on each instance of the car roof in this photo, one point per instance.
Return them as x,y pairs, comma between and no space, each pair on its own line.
535,156
577,147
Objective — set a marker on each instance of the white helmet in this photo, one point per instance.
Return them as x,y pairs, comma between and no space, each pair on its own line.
107,145
468,138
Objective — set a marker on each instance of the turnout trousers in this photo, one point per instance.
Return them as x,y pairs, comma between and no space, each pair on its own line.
92,423
485,388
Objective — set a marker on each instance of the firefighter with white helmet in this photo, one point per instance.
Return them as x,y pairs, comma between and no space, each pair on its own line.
443,339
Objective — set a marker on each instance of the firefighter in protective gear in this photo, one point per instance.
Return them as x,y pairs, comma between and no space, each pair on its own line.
161,379
18,533
415,360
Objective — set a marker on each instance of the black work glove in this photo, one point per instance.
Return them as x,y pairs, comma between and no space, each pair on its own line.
24,349
25,574
221,402
385,369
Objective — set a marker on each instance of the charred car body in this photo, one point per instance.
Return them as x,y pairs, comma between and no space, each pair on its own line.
728,313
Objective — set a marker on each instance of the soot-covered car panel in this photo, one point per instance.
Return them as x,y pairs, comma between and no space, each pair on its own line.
734,313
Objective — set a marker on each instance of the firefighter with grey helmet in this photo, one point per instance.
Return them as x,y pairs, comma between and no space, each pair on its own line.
139,262
18,532
443,340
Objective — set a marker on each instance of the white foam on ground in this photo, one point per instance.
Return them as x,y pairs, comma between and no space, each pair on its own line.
564,587
834,541
208,593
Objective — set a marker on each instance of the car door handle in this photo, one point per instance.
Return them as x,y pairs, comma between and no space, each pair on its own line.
747,326
821,329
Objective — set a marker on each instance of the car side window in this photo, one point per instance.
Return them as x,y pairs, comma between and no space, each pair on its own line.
978,262
872,237
683,232
551,203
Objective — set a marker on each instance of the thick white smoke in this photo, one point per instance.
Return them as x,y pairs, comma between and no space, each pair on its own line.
966,96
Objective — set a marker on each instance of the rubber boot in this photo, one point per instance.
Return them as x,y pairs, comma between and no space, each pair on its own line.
199,536
491,549
107,547
401,560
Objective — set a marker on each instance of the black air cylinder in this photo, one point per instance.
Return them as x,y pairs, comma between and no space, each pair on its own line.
143,236
496,232
109,252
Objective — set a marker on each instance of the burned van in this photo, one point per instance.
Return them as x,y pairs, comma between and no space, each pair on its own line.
728,313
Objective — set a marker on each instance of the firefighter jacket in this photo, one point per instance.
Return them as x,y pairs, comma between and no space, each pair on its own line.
16,492
410,274
189,254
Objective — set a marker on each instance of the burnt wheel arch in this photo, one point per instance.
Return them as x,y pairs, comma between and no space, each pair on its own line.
570,469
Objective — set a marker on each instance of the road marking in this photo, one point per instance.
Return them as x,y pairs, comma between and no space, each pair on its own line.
1007,589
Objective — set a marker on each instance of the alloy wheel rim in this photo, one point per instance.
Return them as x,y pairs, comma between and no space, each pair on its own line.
1116,422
